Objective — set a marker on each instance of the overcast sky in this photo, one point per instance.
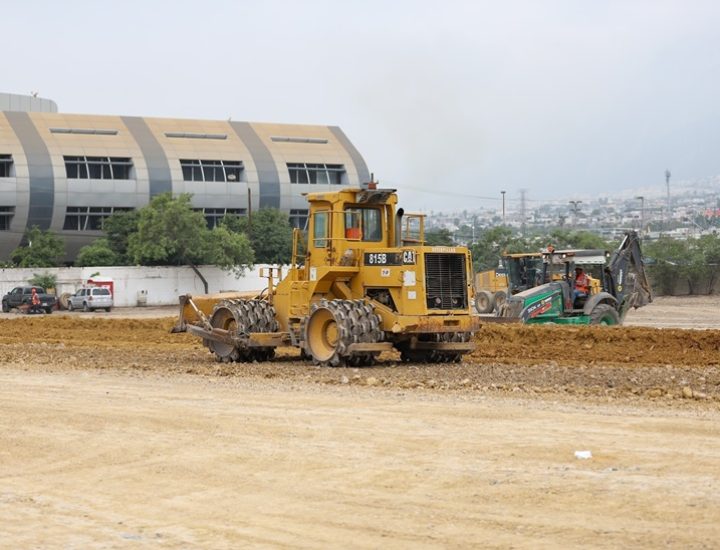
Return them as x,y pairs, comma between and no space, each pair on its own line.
451,102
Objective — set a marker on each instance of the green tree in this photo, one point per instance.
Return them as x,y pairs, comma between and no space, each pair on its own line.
269,232
97,253
118,229
46,280
492,243
710,249
439,237
695,261
43,249
228,250
566,238
170,232
668,263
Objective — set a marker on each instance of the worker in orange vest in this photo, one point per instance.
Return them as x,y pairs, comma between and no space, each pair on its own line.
582,284
34,300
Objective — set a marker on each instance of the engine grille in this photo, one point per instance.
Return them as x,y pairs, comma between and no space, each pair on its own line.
445,281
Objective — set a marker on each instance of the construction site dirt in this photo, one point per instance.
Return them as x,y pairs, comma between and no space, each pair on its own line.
115,432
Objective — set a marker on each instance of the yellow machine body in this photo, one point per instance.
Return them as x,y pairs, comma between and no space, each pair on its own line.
362,281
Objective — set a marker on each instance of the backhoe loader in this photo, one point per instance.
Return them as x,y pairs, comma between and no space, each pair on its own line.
615,286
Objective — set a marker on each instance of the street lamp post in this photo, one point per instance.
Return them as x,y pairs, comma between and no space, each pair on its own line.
503,204
642,213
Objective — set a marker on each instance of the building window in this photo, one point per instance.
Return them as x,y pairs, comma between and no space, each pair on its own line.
193,135
299,218
6,165
6,215
296,139
213,216
89,218
212,170
84,131
316,173
100,168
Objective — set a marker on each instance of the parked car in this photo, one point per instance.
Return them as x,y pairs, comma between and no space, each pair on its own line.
91,298
20,297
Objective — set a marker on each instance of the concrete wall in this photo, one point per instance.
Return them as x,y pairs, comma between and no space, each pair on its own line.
162,285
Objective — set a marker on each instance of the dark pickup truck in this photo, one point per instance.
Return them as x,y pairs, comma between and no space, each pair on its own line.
21,296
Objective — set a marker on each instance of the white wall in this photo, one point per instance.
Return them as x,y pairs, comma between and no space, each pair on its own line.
162,284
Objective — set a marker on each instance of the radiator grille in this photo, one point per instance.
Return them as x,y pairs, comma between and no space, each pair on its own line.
445,281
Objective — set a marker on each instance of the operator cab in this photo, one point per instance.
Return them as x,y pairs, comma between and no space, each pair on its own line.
562,264
363,223
523,271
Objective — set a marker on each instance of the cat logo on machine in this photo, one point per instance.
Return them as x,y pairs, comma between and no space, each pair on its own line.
408,257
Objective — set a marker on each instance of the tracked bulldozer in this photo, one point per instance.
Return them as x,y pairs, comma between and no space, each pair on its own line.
361,282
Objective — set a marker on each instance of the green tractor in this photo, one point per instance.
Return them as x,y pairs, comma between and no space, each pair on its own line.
614,287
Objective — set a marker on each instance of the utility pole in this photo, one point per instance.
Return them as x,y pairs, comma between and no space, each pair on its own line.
667,182
522,211
575,206
642,213
503,202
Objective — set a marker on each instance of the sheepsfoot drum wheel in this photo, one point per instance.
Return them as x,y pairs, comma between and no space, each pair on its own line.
334,325
604,314
240,318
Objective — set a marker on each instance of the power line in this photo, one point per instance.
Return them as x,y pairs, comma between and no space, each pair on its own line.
447,193
444,193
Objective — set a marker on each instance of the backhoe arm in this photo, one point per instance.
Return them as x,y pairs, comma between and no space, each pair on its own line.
627,274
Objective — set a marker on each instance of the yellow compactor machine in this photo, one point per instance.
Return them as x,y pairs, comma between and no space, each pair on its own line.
362,282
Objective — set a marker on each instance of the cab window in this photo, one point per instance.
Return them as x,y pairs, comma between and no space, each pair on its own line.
363,224
321,229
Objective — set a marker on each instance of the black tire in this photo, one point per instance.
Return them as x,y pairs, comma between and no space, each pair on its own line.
108,309
48,310
5,307
484,301
604,314
70,306
86,307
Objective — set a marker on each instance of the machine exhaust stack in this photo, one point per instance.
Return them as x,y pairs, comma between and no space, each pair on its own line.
398,227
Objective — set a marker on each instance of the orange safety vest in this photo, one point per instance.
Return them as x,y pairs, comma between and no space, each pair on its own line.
581,283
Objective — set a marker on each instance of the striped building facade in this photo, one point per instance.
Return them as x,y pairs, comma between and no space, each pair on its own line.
67,173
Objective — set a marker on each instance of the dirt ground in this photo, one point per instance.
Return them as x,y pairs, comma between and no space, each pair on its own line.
115,433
